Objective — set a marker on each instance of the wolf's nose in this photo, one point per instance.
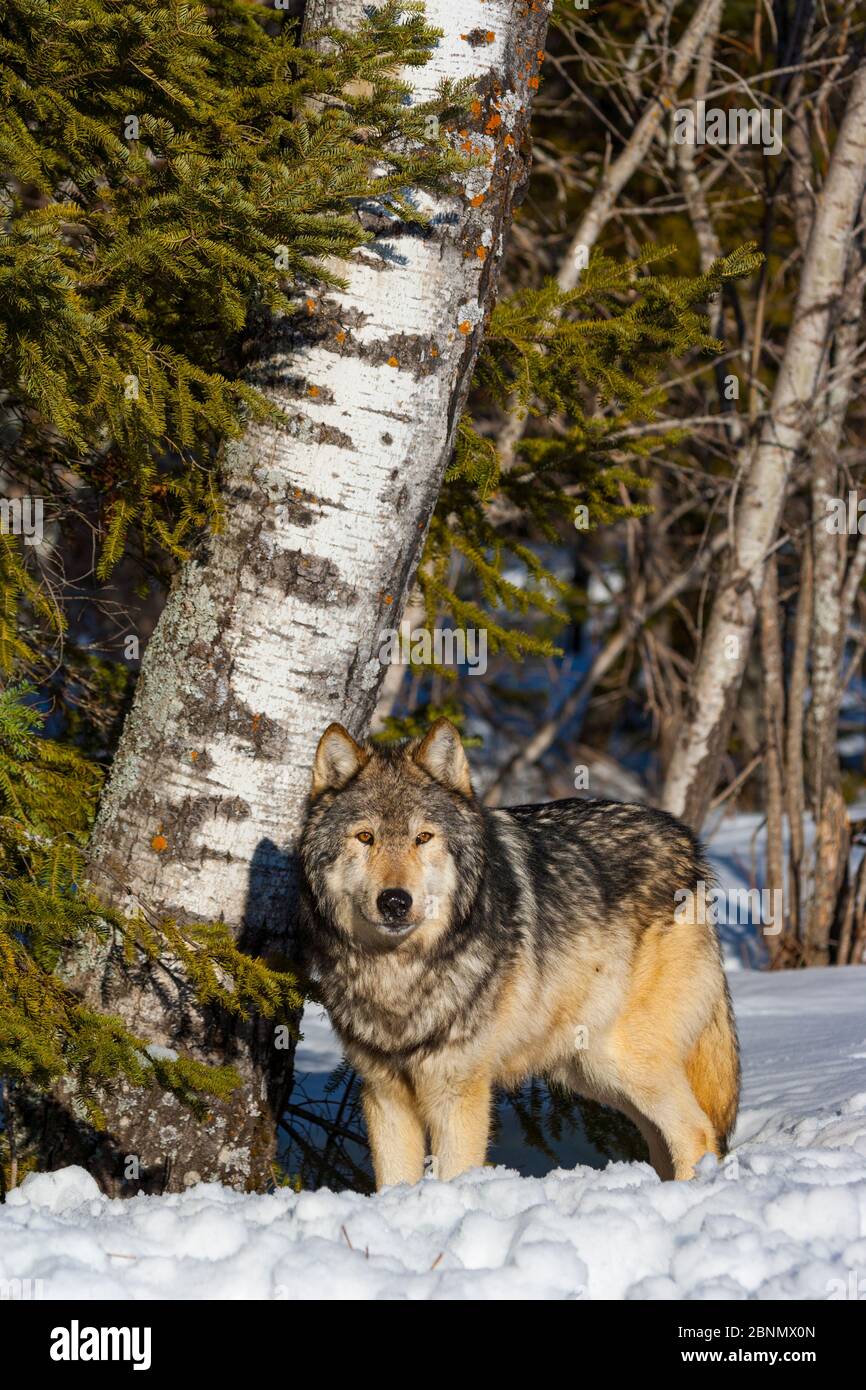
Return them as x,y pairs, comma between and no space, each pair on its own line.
394,903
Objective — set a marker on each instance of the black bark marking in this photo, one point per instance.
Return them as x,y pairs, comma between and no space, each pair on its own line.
180,823
310,577
329,434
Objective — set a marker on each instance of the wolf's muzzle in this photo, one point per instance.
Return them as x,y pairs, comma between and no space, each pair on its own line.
394,904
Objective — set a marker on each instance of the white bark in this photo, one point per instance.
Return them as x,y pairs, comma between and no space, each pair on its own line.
273,631
724,652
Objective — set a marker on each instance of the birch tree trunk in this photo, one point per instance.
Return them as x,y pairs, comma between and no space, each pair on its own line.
699,748
773,720
795,802
273,630
833,602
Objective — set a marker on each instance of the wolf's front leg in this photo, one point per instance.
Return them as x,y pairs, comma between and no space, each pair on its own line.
458,1117
395,1131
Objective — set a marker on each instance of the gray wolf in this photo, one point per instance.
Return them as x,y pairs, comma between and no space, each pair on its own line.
458,949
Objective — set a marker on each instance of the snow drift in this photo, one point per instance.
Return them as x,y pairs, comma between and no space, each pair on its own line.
783,1217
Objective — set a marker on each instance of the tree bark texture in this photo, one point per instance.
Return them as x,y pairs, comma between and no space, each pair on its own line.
273,630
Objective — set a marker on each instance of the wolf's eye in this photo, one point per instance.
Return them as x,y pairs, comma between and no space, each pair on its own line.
365,837
424,837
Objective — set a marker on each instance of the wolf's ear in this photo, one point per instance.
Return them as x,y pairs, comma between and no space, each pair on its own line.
440,753
338,758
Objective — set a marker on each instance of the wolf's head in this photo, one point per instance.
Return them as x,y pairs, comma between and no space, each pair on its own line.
393,845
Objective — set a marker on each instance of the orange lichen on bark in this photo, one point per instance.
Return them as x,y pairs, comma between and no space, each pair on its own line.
465,327
159,843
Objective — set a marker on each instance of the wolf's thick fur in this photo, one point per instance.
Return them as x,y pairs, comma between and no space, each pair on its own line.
458,949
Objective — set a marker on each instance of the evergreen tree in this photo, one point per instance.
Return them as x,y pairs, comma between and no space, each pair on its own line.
592,358
171,174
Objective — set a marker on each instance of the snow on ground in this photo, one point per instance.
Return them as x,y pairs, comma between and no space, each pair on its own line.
783,1217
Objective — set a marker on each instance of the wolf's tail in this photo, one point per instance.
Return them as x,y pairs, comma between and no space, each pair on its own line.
713,1069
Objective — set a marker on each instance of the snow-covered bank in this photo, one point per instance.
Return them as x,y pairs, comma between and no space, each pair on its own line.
785,1217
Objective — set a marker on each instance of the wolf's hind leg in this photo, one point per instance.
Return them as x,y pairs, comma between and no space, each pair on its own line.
458,1117
651,1052
659,1156
669,1103
395,1131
